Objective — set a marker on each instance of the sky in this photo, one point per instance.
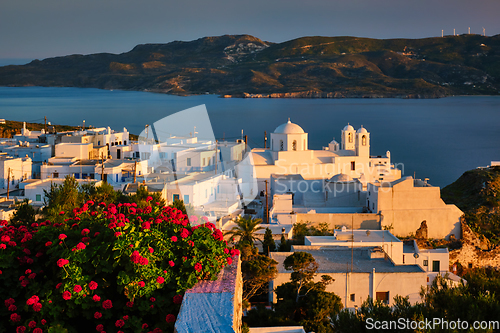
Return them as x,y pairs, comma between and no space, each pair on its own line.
37,29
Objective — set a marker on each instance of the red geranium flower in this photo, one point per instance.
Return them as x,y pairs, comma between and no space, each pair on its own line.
66,295
160,279
15,317
92,285
77,288
107,304
97,315
170,318
62,262
37,307
141,284
177,299
198,267
119,323
62,236
32,324
99,328
96,298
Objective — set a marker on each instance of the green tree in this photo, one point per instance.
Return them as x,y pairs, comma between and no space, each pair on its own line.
304,268
245,229
268,244
257,271
62,198
25,213
284,244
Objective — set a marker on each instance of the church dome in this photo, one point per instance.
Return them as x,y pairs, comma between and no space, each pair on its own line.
341,177
362,130
348,128
289,128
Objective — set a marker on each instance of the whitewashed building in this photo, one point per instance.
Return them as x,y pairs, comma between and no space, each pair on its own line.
14,170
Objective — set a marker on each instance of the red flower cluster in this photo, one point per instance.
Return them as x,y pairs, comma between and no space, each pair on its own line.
32,300
62,262
198,267
160,279
77,288
66,295
96,298
92,285
107,304
170,318
177,299
136,258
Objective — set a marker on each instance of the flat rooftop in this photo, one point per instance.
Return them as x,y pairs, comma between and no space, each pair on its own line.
336,259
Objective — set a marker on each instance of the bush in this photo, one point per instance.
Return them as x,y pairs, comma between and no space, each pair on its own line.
101,267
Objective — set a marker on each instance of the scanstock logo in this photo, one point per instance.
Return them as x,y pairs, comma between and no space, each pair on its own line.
180,151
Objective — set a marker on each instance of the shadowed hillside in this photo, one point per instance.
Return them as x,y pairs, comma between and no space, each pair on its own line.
477,194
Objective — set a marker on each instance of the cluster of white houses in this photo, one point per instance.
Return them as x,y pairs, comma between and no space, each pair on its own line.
341,185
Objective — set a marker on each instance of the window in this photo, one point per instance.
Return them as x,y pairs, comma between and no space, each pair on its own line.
403,258
188,161
55,175
426,262
186,199
77,176
38,197
353,297
294,145
217,188
363,140
281,145
383,296
349,137
125,142
470,265
353,165
175,197
203,164
435,265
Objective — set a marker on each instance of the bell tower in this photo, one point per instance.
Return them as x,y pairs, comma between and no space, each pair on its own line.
348,135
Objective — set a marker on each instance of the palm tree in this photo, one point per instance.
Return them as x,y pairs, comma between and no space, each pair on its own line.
245,229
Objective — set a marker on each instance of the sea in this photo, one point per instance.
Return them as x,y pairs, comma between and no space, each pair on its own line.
437,139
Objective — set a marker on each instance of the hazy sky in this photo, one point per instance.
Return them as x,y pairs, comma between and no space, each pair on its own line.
47,28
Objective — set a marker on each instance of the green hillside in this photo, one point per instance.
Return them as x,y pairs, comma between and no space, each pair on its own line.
477,194
243,65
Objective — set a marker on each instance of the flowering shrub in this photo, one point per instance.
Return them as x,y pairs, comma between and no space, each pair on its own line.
106,268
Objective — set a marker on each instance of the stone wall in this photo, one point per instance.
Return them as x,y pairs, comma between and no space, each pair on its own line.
214,306
475,251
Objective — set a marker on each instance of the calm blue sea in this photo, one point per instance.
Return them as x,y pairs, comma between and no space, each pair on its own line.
435,138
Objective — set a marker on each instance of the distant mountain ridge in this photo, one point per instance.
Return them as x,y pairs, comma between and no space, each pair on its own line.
245,66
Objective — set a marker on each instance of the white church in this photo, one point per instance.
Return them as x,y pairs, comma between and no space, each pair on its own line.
343,185
289,154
